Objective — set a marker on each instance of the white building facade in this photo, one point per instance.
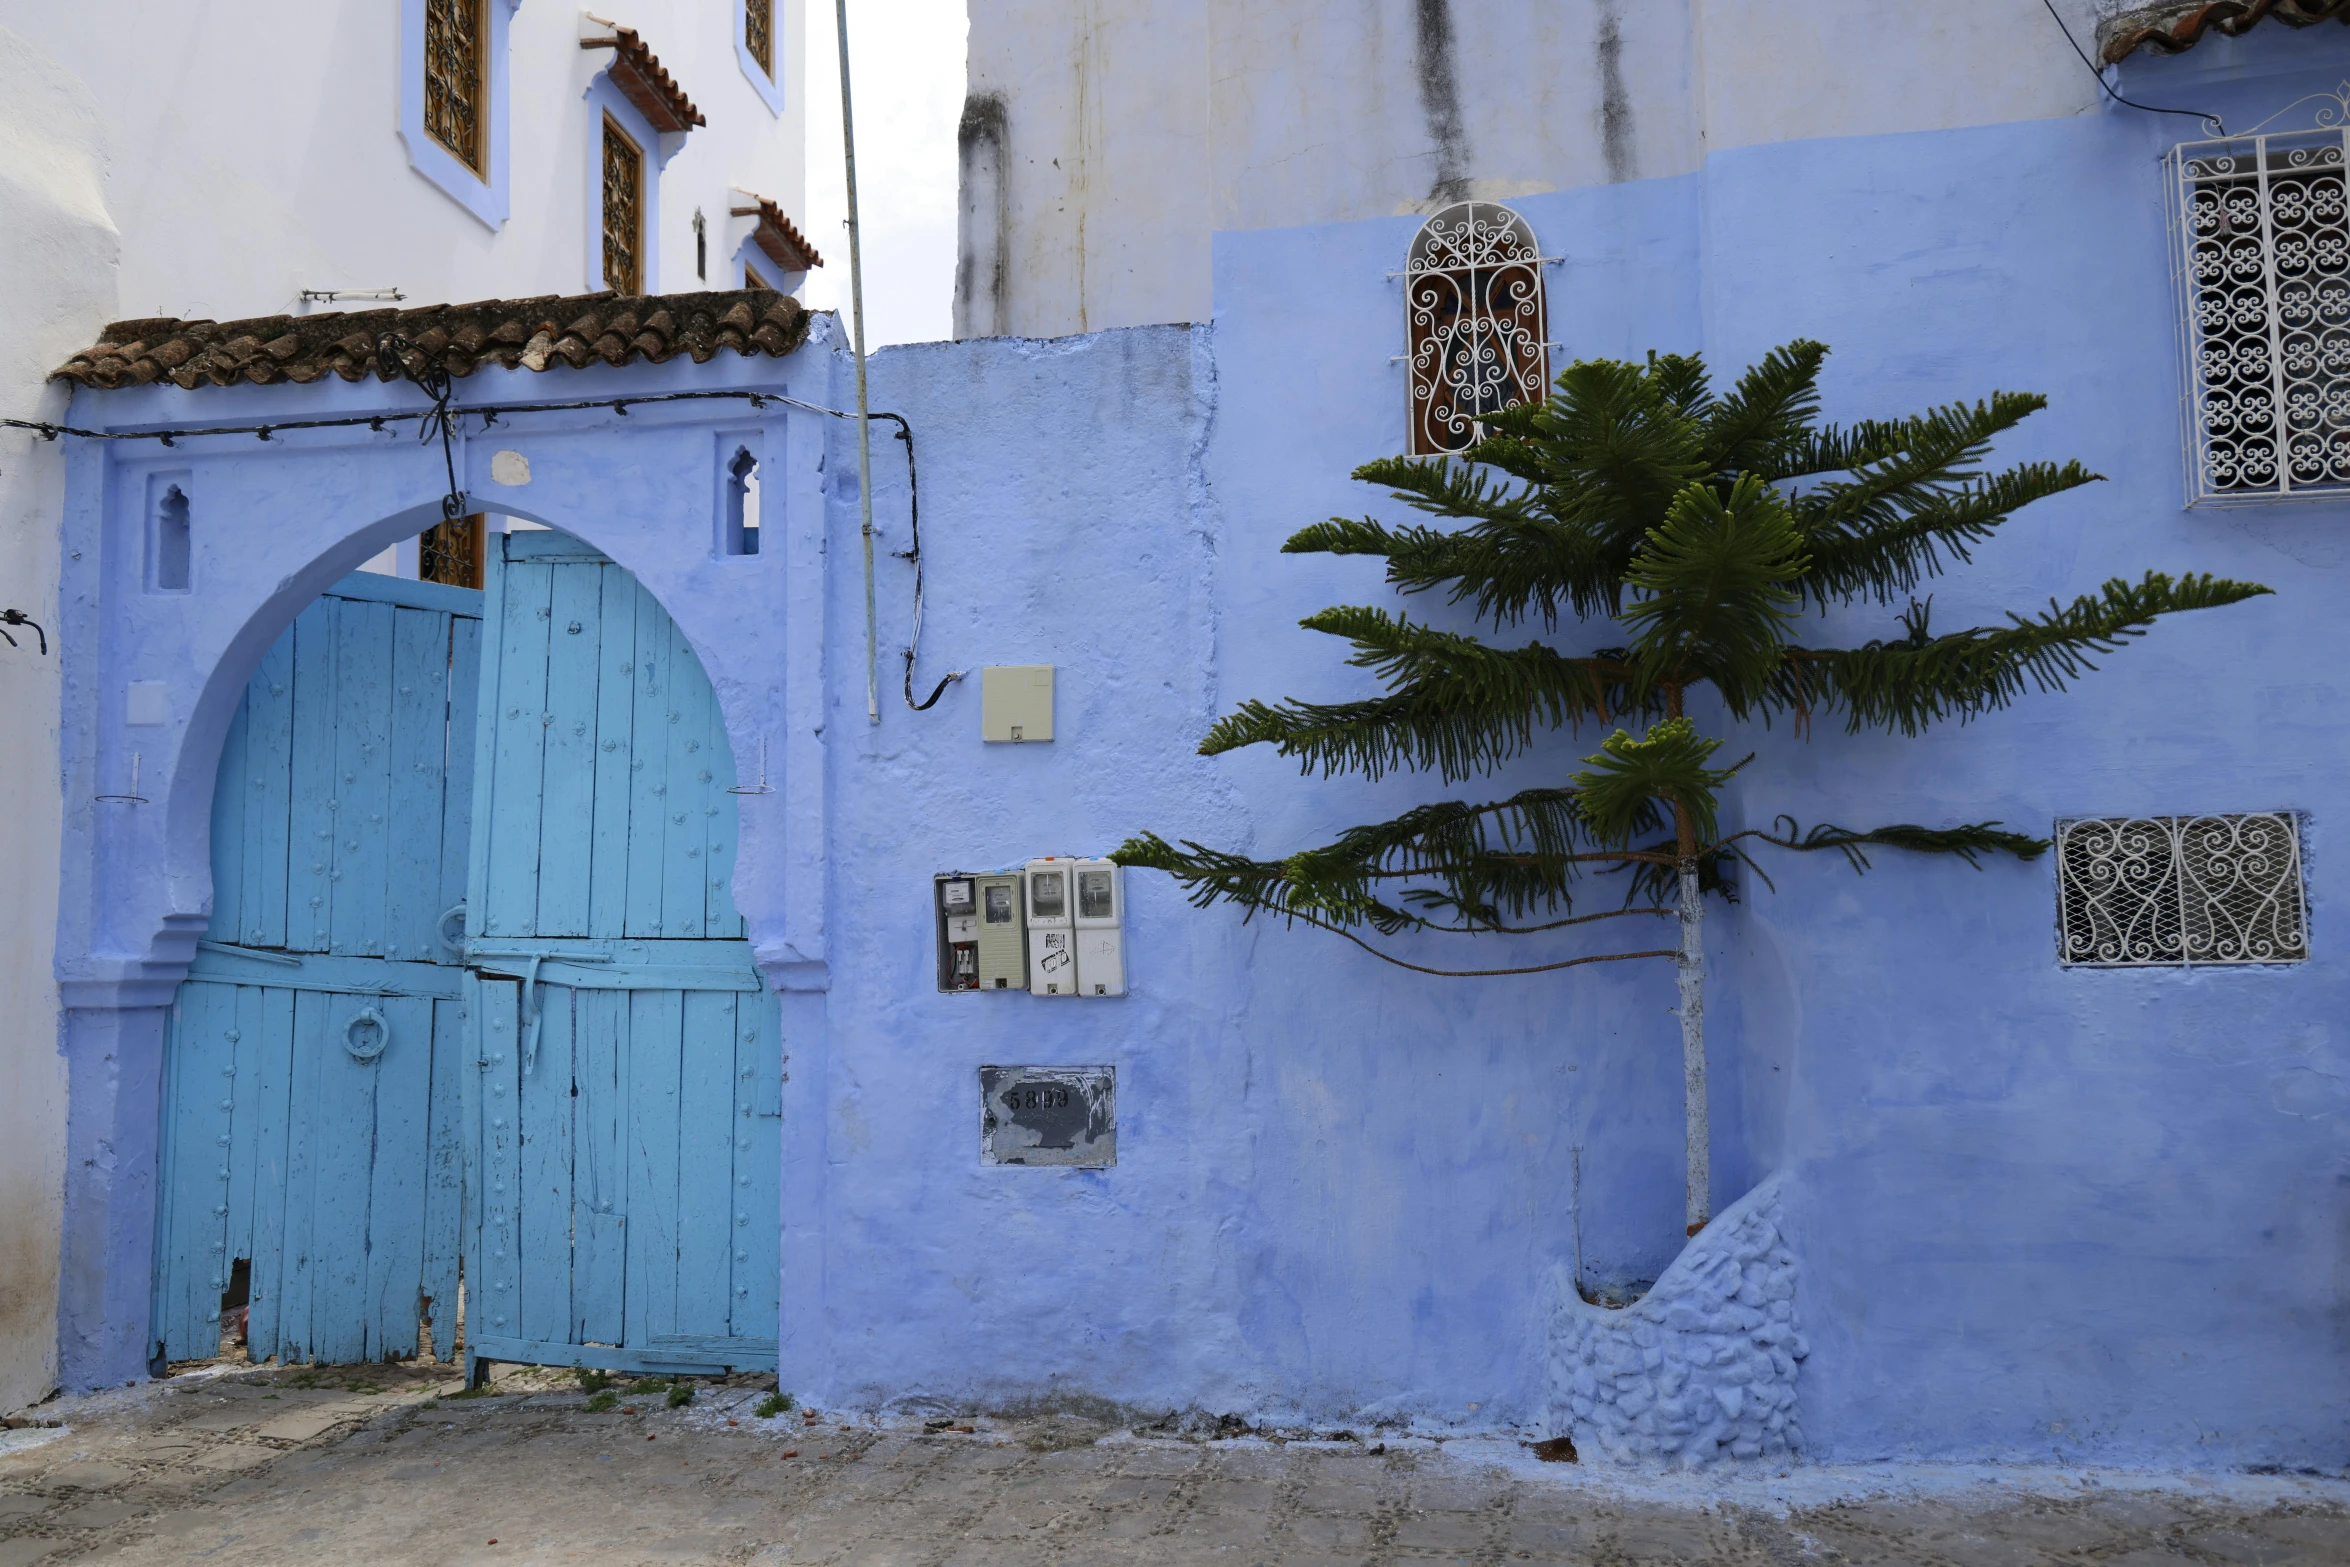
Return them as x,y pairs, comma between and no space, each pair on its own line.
271,158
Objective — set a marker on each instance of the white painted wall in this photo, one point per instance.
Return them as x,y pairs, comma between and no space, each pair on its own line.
1134,131
215,158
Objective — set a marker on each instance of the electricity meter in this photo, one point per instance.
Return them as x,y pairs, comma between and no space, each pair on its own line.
1003,935
1052,954
958,932
1100,910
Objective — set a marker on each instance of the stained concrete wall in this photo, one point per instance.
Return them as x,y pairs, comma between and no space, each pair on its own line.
1134,131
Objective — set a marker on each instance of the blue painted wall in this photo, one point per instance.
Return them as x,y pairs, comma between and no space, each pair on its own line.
2038,1212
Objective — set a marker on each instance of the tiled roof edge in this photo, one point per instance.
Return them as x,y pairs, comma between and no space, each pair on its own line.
2175,26
535,334
777,237
642,79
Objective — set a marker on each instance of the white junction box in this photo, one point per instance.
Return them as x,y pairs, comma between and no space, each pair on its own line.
1052,952
1100,914
1016,702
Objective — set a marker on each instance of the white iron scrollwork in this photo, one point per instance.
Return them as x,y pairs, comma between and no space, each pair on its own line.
2264,230
1474,321
2149,890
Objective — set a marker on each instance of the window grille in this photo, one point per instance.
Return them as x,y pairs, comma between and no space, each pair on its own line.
2149,890
1474,323
759,33
451,552
624,224
454,77
2264,271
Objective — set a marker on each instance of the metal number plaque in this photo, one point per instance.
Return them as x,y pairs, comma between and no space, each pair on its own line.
1057,1115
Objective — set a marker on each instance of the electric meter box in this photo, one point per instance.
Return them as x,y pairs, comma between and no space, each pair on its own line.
956,897
1003,934
1016,702
1052,934
1100,910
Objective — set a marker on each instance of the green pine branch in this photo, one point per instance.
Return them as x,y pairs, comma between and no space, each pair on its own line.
1718,584
1622,785
1762,424
1884,558
1455,705
1971,843
1505,859
1921,679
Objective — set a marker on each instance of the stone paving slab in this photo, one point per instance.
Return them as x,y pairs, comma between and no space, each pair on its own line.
373,1466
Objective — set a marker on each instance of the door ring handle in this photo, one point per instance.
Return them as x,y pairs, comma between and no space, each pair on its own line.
455,913
367,1035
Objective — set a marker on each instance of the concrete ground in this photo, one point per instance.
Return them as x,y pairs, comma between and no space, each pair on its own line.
375,1465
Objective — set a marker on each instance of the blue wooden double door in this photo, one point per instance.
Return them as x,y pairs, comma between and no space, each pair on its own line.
476,1011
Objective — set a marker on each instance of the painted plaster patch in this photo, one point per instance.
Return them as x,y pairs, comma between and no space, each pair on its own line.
510,468
1703,1369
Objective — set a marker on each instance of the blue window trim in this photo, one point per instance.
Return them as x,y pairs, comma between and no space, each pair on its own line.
605,99
769,89
487,199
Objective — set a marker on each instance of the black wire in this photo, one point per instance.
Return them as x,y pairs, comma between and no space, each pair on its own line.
440,418
17,617
912,554
2212,121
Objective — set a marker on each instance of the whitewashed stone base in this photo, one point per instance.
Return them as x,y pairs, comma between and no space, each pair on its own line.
1703,1369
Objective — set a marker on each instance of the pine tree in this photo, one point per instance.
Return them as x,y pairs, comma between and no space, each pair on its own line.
1698,529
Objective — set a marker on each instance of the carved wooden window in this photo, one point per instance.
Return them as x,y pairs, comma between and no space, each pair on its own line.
1475,326
451,552
456,78
624,212
2137,891
2264,265
759,32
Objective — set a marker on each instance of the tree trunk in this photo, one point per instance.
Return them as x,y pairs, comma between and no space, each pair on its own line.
1691,963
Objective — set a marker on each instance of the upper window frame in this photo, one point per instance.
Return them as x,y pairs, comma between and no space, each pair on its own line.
768,83
604,101
1471,249
484,192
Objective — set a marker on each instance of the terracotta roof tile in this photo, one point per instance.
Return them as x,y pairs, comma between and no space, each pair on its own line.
531,333
783,244
2175,26
639,75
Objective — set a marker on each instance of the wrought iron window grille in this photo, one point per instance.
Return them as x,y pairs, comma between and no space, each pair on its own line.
2261,257
1476,327
759,32
456,78
2180,891
624,223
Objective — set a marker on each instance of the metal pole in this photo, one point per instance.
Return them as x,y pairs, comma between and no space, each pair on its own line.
848,138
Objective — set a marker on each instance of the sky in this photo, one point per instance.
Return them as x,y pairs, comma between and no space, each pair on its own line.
906,65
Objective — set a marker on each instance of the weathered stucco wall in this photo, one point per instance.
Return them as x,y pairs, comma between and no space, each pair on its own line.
1130,133
2035,1212
57,247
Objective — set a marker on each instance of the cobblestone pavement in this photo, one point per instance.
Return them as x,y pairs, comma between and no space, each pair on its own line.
367,1465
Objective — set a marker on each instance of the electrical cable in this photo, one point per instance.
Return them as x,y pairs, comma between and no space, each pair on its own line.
440,418
2211,121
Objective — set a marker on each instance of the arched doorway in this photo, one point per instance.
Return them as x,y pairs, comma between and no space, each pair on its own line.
529,1042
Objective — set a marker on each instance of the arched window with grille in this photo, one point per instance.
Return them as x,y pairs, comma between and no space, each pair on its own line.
1474,321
